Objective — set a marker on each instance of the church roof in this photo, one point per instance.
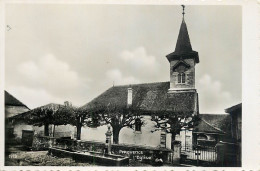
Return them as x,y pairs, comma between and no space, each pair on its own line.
148,97
234,108
183,47
213,123
12,101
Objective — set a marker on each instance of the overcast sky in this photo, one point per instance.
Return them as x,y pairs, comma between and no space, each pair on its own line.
75,52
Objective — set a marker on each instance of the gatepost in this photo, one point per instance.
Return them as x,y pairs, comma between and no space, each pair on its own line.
176,152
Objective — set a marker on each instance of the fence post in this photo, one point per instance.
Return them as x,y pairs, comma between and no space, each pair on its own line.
220,154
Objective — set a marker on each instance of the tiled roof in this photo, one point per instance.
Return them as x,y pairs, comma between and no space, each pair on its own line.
234,108
53,106
213,123
12,101
148,97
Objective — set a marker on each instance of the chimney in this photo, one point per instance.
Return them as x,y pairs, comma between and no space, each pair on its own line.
129,97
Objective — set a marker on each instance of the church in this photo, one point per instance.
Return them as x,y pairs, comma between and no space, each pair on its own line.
178,96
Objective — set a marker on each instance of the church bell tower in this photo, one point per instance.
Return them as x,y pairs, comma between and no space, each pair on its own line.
182,62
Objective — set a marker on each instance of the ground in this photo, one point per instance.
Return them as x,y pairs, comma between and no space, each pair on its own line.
18,156
39,158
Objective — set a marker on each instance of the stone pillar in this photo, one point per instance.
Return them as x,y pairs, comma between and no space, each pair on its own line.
108,140
129,97
163,138
221,148
176,152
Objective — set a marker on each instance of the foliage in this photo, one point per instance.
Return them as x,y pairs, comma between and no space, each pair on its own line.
118,117
173,122
41,116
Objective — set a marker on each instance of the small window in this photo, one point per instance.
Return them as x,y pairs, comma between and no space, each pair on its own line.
138,124
181,77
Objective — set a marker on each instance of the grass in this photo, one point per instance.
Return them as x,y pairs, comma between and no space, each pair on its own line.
39,158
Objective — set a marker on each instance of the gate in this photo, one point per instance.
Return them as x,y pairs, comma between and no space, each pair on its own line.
200,156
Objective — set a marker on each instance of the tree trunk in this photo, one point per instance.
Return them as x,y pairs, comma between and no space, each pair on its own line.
78,132
46,129
53,133
116,131
173,139
173,136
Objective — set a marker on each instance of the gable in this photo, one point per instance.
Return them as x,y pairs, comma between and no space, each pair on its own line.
180,66
12,101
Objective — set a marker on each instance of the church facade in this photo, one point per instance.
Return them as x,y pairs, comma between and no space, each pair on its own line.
179,96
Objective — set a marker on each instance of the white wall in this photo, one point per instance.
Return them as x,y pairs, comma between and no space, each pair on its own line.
126,135
19,127
185,137
146,137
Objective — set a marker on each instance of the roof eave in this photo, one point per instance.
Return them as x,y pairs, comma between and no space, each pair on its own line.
186,55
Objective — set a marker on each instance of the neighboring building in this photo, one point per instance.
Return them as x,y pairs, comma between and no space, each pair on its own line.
236,121
231,149
210,129
20,124
13,107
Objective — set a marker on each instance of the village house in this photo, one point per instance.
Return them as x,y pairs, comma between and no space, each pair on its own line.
233,155
13,107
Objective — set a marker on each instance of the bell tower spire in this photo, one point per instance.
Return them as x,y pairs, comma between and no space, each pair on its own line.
183,13
183,61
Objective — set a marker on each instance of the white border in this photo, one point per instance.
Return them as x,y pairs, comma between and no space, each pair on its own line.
250,80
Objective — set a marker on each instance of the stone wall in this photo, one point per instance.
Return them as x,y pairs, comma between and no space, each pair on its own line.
135,152
190,76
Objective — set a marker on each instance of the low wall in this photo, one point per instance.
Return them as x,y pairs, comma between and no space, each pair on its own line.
135,152
91,157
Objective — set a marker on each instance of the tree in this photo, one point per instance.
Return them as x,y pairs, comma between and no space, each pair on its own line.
173,122
118,118
42,116
79,117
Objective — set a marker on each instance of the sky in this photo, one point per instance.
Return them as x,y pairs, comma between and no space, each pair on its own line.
74,52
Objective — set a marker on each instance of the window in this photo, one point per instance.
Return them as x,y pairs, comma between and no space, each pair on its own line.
138,124
181,77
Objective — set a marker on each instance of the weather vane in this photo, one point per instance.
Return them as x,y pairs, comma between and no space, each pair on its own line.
183,7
